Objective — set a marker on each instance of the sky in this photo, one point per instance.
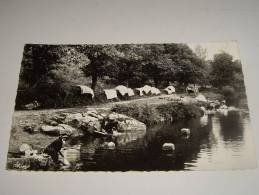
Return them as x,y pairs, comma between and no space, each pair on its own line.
230,47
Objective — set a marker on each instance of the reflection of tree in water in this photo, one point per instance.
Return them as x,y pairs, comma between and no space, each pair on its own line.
126,155
142,151
232,126
186,149
210,137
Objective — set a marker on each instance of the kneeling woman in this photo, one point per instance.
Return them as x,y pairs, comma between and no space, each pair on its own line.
54,149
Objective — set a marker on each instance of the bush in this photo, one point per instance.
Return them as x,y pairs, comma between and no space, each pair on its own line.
53,96
179,111
23,97
150,114
144,113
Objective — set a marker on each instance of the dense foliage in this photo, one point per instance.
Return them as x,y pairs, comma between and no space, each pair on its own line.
50,73
226,74
179,111
152,114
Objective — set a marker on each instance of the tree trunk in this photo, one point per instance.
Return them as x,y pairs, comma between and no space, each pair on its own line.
94,81
156,82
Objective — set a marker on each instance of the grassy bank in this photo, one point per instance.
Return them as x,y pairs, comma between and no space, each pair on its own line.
18,136
150,110
153,114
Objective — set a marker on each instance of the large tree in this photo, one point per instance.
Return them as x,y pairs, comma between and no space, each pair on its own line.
102,59
188,67
128,68
48,72
42,62
51,69
36,62
158,65
224,70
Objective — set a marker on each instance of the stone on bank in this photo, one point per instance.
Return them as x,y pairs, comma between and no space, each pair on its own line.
77,123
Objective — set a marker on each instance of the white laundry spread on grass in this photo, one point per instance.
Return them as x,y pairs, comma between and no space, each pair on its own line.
122,89
110,93
125,90
86,90
146,89
130,92
170,90
155,91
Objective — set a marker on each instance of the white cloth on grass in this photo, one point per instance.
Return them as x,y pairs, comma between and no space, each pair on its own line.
130,92
110,93
155,91
86,90
147,89
125,90
122,90
170,90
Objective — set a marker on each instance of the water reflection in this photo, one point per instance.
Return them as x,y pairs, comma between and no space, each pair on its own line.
232,126
229,144
216,142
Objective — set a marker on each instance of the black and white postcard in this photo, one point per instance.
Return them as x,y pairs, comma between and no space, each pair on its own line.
131,107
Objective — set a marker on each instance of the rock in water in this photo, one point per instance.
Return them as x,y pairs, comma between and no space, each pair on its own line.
109,145
168,147
185,132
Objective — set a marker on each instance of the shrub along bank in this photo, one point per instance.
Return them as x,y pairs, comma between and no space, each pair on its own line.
153,114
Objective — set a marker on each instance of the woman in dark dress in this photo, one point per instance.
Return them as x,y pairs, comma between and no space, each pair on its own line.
54,148
110,124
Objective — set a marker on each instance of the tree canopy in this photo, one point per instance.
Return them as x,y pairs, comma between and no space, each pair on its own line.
225,71
51,70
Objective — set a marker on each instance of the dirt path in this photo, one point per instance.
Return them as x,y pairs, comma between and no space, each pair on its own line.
160,99
151,100
145,100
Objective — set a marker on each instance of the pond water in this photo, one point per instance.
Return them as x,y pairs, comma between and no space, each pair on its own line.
217,142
